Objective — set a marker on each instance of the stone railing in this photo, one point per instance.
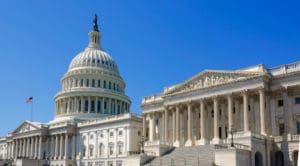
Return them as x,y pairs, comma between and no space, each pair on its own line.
151,99
130,153
108,119
278,139
240,134
236,146
152,143
295,137
285,68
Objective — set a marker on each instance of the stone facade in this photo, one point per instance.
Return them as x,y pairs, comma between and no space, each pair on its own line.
260,105
92,126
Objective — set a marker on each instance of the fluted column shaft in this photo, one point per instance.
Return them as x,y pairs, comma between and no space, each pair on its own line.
216,118
230,119
262,111
40,147
177,123
73,147
246,119
174,125
166,125
61,146
56,145
66,146
189,123
202,121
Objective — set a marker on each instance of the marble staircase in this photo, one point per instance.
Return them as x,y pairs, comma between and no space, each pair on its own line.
186,156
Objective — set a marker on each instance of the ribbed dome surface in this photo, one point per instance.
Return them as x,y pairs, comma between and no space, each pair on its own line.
94,58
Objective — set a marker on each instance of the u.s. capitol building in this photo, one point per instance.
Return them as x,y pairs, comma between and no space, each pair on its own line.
92,124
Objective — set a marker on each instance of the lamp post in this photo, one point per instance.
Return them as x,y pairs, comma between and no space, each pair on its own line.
231,131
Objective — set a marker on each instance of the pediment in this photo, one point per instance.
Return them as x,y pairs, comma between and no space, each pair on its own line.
208,79
26,127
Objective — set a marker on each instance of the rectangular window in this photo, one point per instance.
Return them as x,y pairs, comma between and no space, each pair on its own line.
297,100
99,106
86,106
79,107
298,127
91,151
104,84
220,132
120,133
93,83
87,82
92,106
111,134
281,128
99,83
280,103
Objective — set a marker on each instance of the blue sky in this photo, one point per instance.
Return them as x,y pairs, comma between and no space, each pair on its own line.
155,44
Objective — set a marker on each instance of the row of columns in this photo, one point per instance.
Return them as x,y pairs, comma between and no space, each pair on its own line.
203,140
30,147
59,146
55,146
77,104
70,83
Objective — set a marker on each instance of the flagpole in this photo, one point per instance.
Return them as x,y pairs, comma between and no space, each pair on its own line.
31,110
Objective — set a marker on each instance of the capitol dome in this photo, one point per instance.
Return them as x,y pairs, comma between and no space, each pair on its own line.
92,86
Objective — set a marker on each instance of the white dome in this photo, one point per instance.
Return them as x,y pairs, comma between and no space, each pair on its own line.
94,58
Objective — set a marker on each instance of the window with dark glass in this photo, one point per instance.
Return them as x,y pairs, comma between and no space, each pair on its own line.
86,106
79,107
99,81
92,106
99,107
93,83
297,100
81,82
109,85
281,128
87,82
279,103
104,84
298,127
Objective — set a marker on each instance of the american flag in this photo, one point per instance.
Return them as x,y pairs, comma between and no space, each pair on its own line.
29,100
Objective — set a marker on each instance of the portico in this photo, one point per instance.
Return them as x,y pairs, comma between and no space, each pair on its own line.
216,112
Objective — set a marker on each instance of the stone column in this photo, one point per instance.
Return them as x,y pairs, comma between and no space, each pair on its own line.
176,143
28,148
68,105
216,139
31,147
189,141
56,146
73,147
203,139
152,128
162,127
174,125
245,104
82,104
166,125
102,105
36,147
89,104
96,105
24,147
287,127
230,118
61,146
40,147
262,111
66,146
144,126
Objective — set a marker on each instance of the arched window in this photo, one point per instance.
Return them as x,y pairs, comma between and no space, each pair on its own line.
111,148
120,147
101,149
83,151
91,150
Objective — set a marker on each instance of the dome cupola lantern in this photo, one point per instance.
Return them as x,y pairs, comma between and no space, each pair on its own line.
95,35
